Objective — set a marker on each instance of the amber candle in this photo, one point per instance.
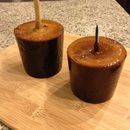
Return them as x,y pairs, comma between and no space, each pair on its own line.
40,49
40,44
94,73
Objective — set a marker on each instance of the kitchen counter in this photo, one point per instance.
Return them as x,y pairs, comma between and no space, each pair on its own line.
78,17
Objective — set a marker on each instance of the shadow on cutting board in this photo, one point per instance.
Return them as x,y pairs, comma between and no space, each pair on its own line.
13,70
64,110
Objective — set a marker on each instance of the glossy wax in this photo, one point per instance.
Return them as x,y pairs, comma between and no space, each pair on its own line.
40,49
94,75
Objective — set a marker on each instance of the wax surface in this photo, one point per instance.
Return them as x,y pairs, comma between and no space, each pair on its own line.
110,52
49,30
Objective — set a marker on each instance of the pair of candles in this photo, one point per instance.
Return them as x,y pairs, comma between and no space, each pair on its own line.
95,62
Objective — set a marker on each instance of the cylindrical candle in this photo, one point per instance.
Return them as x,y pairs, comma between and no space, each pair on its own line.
94,75
40,49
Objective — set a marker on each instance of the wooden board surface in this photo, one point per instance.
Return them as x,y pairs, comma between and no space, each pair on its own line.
28,103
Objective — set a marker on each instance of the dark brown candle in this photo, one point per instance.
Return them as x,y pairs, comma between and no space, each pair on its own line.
94,74
40,49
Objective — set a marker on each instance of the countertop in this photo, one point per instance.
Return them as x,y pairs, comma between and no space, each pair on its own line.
78,17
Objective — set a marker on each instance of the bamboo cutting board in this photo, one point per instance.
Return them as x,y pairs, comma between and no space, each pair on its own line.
28,103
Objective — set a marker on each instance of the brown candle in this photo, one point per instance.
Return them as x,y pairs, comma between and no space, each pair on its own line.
40,49
94,74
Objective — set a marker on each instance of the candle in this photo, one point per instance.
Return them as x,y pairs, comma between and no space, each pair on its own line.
95,67
40,44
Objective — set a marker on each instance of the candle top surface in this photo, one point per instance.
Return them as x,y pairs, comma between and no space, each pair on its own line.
110,52
50,30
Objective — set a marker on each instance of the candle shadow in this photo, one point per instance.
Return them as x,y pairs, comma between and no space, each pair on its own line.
62,107
13,70
15,78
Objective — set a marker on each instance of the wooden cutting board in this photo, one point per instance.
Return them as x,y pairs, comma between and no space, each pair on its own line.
28,103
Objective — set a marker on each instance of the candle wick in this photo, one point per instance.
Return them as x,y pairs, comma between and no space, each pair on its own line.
96,44
37,14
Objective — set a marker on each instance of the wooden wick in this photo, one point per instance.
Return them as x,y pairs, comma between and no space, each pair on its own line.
37,14
96,44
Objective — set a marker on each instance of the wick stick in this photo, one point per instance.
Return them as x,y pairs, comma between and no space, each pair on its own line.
96,45
37,14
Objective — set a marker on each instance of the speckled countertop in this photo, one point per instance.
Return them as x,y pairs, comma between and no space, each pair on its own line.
77,16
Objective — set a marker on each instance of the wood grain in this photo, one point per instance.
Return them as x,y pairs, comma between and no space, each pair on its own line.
28,103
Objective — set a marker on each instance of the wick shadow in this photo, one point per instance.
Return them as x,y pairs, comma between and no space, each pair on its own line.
63,106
